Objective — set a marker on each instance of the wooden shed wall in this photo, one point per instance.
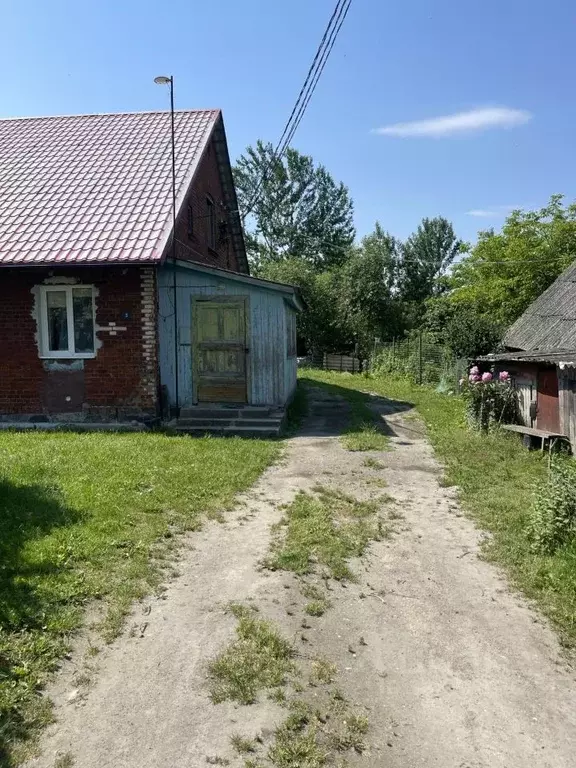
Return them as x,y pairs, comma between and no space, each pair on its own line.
525,381
271,375
567,398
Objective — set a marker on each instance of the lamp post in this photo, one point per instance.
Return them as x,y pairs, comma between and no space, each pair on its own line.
164,80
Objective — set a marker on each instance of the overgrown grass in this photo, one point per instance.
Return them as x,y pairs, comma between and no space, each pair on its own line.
327,528
496,477
297,410
310,738
257,660
363,432
242,745
87,517
365,437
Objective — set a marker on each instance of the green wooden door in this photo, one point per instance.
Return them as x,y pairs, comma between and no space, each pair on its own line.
219,351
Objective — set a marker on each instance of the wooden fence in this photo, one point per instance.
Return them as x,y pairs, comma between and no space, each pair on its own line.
333,362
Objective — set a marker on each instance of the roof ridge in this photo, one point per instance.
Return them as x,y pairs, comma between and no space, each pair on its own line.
108,114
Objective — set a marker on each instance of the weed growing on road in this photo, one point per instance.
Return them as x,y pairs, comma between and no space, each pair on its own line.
350,733
365,437
496,478
93,517
315,608
326,528
296,742
323,671
242,745
371,463
64,761
258,659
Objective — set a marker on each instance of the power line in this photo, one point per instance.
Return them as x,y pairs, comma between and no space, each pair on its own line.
340,20
306,92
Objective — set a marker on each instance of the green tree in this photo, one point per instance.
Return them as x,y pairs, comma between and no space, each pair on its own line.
294,207
321,326
506,271
367,286
426,257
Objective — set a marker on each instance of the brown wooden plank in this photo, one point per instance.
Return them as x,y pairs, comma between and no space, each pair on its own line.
221,393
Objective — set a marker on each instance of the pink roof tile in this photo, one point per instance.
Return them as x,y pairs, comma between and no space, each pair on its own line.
94,188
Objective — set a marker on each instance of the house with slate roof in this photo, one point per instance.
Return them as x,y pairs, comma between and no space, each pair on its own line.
541,359
110,314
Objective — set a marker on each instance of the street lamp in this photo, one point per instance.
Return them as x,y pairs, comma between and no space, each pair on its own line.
164,80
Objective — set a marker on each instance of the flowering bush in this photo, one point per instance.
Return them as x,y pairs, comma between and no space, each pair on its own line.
490,401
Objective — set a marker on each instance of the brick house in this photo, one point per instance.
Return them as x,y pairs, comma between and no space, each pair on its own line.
98,322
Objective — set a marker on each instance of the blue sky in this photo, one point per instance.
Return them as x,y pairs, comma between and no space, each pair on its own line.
507,65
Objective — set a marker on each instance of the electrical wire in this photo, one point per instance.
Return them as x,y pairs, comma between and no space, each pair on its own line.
308,88
330,45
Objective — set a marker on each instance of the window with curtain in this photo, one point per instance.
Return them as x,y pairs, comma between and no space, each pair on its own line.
67,321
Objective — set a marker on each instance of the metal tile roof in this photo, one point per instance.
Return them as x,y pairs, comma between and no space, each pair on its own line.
94,188
550,321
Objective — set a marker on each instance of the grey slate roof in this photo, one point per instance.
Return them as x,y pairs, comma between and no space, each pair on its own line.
549,323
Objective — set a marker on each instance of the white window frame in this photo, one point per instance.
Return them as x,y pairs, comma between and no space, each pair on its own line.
45,352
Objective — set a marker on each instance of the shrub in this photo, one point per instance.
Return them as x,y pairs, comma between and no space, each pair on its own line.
553,513
489,400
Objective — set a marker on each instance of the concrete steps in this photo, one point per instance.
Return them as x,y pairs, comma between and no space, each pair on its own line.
247,421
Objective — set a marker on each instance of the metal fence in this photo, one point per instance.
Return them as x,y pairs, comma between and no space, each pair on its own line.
419,358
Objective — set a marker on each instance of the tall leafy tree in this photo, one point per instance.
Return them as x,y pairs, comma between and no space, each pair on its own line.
506,271
321,326
369,303
295,208
426,257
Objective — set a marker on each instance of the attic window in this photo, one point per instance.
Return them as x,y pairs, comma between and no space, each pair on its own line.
211,223
66,321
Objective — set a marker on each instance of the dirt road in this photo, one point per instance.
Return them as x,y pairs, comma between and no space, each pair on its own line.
453,669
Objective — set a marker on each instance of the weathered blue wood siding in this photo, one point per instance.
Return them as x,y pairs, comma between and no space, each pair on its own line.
271,374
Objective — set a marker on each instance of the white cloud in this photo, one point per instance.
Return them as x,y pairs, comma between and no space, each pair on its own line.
495,210
480,119
482,213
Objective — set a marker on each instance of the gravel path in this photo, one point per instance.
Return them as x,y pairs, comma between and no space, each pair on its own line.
456,672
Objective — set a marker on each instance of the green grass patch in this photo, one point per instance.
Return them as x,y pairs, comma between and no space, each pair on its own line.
325,528
88,517
297,742
242,745
316,607
371,463
363,432
257,660
496,477
297,410
365,437
323,671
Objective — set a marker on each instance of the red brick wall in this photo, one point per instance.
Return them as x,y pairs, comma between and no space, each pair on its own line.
124,372
195,247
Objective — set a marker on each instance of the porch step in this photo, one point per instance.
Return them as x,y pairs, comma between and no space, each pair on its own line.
241,422
248,420
227,431
229,412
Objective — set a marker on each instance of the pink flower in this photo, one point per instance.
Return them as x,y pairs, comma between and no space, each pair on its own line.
473,378
486,376
504,376
474,371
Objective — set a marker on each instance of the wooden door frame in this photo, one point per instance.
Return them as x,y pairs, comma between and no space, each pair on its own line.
223,299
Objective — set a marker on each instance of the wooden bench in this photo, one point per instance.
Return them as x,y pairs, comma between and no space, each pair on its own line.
543,434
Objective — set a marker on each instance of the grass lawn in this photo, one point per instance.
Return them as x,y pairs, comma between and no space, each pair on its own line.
495,475
87,517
